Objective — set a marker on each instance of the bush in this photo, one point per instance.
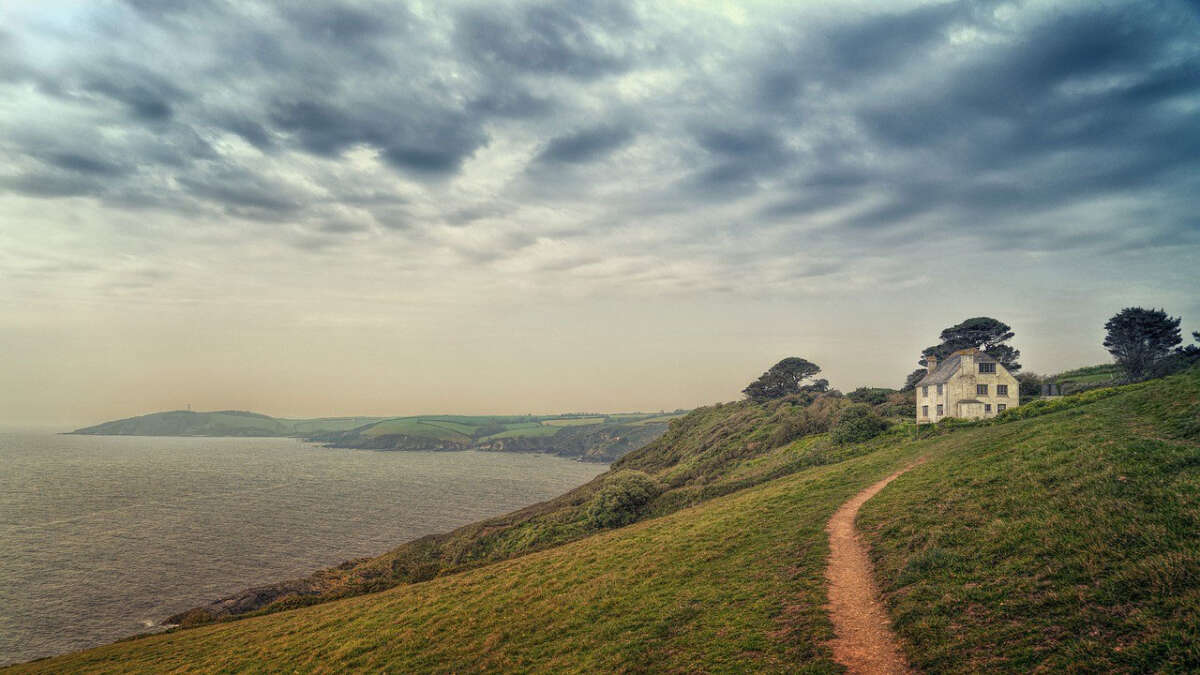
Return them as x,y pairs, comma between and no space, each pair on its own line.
621,499
857,423
871,395
816,417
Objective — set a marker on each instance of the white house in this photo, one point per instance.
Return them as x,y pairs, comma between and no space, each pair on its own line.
968,384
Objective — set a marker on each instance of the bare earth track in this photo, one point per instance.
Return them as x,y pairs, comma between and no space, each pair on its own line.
863,642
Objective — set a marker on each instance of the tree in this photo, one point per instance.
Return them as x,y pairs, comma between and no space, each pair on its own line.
817,386
1138,338
982,332
913,378
781,380
1029,385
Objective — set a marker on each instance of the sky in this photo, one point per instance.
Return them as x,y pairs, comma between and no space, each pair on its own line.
387,208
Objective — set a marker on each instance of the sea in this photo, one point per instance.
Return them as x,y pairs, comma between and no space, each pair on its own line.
102,537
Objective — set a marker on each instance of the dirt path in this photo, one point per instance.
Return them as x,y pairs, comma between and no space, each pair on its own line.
864,641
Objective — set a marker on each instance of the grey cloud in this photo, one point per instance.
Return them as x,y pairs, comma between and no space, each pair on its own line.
149,96
1016,126
888,39
248,129
52,184
575,39
740,157
511,102
877,117
244,193
82,163
342,24
586,145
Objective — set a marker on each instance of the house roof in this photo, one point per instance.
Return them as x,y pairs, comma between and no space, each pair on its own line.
946,369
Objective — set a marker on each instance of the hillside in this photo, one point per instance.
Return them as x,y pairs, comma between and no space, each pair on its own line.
706,453
600,438
1059,538
221,423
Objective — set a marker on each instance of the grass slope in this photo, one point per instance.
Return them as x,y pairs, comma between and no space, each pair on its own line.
1069,542
711,452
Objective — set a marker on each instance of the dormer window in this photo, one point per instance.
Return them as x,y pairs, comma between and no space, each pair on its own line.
987,367
925,391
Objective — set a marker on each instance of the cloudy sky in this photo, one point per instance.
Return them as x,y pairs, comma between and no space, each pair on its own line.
405,207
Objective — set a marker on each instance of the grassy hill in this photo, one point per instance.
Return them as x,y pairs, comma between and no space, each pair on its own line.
1065,542
1079,379
1059,538
221,423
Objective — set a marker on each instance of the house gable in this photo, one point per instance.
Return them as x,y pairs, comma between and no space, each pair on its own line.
968,384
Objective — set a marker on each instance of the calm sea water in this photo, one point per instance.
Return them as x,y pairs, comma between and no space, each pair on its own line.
101,536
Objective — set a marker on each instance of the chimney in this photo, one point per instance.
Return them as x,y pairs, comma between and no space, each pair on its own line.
931,363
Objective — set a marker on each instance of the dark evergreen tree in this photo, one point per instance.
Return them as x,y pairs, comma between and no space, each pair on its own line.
782,379
1138,338
982,332
913,378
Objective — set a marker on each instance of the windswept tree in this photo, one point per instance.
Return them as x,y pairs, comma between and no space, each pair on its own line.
784,378
983,333
914,377
1138,338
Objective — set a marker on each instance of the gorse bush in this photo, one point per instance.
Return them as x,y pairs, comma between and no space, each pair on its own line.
621,499
857,423
797,421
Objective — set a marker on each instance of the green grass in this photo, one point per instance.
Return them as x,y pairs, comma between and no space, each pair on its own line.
536,430
573,421
1067,542
416,427
1090,375
302,427
658,419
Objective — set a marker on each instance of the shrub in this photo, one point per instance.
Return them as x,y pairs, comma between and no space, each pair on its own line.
621,499
871,395
803,420
857,423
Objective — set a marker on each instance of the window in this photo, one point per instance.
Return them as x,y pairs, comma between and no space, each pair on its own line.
987,407
939,390
981,389
925,391
987,367
1002,390
924,411
939,410
1000,407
